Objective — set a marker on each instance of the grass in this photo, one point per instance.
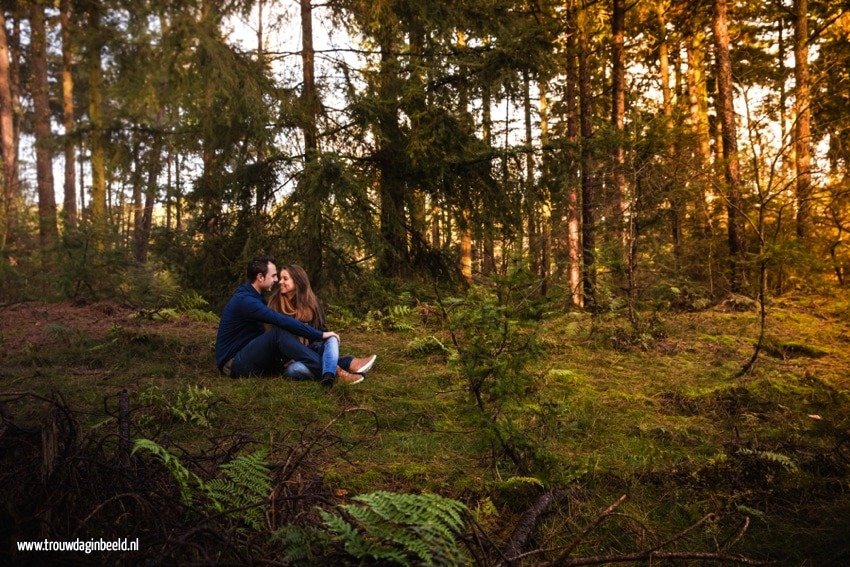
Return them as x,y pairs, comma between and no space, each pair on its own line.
660,417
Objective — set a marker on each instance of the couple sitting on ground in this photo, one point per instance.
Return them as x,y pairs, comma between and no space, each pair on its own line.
287,336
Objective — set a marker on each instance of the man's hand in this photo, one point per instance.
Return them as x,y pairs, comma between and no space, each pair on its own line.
328,334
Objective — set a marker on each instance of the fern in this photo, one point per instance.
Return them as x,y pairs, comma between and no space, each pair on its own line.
241,489
422,346
243,485
301,545
771,457
192,405
185,478
398,527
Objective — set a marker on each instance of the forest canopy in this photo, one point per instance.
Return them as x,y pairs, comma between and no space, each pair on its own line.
613,150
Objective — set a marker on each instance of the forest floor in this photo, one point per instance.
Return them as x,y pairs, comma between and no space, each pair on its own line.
659,416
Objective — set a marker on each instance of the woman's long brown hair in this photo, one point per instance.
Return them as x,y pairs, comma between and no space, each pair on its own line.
303,305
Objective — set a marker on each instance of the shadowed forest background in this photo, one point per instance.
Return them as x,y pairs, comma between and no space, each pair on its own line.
601,248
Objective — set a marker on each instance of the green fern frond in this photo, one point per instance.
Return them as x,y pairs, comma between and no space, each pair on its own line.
185,478
397,527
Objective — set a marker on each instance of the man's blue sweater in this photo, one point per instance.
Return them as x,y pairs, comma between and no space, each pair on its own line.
242,321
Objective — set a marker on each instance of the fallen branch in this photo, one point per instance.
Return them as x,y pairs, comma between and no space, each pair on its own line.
525,527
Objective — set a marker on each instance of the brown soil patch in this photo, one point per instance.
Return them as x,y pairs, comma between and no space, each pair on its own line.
28,325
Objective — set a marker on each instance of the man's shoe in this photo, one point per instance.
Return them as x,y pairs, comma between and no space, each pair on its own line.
362,365
348,378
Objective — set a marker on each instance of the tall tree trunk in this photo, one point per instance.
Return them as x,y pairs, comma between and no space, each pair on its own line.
488,260
588,173
393,257
98,152
69,206
464,218
618,117
545,199
726,112
573,191
8,141
81,182
802,124
178,195
47,231
676,206
436,217
136,191
698,110
312,209
143,235
530,193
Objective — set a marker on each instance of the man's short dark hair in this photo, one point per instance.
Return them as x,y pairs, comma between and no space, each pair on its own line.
259,265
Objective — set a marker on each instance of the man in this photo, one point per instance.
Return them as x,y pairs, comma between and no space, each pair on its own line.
244,348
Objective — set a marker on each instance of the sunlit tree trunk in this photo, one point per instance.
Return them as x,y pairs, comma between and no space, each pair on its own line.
11,191
726,113
618,117
802,124
178,195
530,193
69,205
588,173
573,196
676,207
464,218
698,111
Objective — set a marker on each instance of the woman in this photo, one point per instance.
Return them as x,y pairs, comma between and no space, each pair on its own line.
295,298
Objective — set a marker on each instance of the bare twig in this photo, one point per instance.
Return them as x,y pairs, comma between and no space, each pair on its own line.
593,525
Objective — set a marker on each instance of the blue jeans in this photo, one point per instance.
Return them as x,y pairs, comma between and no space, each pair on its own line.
328,350
263,355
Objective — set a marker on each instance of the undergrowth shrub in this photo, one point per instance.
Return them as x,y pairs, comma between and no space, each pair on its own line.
495,331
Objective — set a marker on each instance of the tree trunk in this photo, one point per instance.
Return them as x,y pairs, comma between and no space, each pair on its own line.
588,173
726,113
676,206
530,193
393,257
69,206
312,209
698,110
136,195
436,216
545,199
802,124
8,141
143,234
47,231
618,117
573,201
97,205
464,218
488,260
